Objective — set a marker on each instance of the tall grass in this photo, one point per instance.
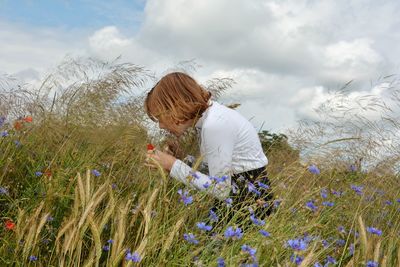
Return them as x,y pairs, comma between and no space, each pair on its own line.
74,183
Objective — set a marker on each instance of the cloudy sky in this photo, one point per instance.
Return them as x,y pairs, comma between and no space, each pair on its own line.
284,55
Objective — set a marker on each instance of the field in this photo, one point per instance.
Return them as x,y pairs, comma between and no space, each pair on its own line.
74,190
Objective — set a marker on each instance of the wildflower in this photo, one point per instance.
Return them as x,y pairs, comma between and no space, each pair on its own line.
219,179
351,249
185,198
206,185
341,229
371,264
194,175
17,125
277,203
2,120
191,238
340,242
297,244
10,225
150,147
317,264
353,168
314,169
110,241
296,259
328,203
388,202
203,226
213,216
220,262
3,191
337,193
324,193
4,134
234,233
253,189
27,119
250,250
96,173
114,186
262,185
256,221
32,258
135,257
325,243
228,202
398,200
49,218
375,231
264,233
330,260
357,189
38,173
17,143
106,247
310,205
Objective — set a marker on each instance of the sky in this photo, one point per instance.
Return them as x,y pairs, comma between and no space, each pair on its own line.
285,56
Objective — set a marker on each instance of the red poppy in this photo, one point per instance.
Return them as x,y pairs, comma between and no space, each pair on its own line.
150,147
47,173
9,225
27,119
17,125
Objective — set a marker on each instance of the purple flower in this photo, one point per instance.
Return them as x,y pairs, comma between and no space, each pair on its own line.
264,233
219,179
317,264
388,202
297,244
357,189
310,205
296,259
314,169
213,216
220,262
256,221
96,173
337,193
371,264
38,174
110,241
353,168
277,203
3,191
375,231
262,185
253,189
106,247
135,257
250,250
324,193
206,185
49,218
325,243
398,200
330,260
234,233
341,229
191,238
340,242
228,202
328,203
17,143
114,186
32,258
203,226
2,120
4,134
185,198
351,249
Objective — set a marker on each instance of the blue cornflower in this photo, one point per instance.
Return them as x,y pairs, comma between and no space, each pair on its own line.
38,174
341,229
297,244
32,258
106,247
250,250
371,264
357,189
3,191
206,185
17,143
228,202
253,189
220,262
353,168
324,193
96,173
373,230
277,203
185,198
351,249
49,218
194,174
135,257
325,243
296,259
110,241
191,238
264,233
114,186
213,216
317,264
328,203
330,260
203,226
2,120
234,233
256,221
310,205
337,193
219,179
340,242
388,202
262,185
4,134
398,200
314,169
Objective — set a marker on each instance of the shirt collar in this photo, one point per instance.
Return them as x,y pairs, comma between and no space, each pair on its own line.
200,121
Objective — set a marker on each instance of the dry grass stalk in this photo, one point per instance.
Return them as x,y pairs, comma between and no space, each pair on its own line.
363,236
171,236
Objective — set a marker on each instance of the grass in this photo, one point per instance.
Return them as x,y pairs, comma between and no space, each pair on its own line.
67,214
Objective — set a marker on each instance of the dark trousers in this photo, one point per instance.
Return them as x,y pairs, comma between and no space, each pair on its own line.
250,194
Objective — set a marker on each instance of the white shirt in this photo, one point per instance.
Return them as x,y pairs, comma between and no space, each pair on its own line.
229,145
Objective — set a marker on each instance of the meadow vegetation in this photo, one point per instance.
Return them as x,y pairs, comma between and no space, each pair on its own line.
74,190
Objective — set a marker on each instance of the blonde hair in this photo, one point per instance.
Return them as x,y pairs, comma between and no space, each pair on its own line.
177,97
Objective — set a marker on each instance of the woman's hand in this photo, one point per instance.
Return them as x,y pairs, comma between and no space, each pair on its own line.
165,160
